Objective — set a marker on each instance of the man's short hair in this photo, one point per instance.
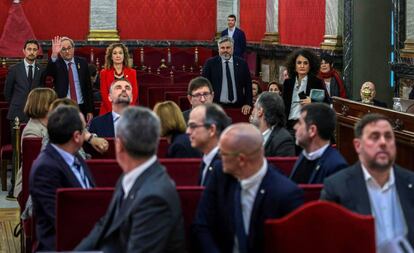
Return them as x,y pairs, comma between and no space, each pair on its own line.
197,83
118,80
368,119
215,115
273,107
139,131
225,39
322,116
31,42
232,16
62,123
68,39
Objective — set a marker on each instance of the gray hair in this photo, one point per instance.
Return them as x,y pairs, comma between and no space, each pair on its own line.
273,107
139,131
225,39
68,39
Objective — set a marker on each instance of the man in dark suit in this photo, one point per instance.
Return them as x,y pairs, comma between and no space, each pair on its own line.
120,96
21,79
376,185
199,92
238,199
145,213
318,159
236,34
230,77
268,116
206,123
57,166
71,75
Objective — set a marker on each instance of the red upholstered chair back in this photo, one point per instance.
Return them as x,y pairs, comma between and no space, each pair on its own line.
311,191
320,227
77,211
106,172
162,148
236,115
30,150
284,164
184,171
189,196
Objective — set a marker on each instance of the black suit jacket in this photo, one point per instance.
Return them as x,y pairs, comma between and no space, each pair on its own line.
103,125
239,41
213,71
348,188
213,226
180,147
17,88
50,172
313,83
280,143
150,220
59,71
215,164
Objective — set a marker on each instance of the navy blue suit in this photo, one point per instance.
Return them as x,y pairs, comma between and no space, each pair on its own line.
180,147
59,71
50,172
330,162
213,227
239,41
103,125
214,165
213,71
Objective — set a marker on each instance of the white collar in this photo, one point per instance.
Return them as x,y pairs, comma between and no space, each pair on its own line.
209,157
315,154
115,115
255,179
368,178
130,177
229,60
26,64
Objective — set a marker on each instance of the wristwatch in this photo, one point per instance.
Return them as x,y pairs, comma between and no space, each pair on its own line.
91,137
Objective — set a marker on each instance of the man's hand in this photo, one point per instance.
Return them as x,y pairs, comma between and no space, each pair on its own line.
246,109
305,101
56,46
99,144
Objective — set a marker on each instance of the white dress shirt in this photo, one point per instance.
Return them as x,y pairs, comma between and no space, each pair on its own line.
224,98
26,67
294,113
129,178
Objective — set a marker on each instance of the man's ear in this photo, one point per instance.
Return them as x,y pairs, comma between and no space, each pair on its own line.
189,98
312,130
213,130
357,145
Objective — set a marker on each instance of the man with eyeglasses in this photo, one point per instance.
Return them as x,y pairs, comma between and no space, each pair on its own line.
205,125
230,77
71,75
199,92
240,197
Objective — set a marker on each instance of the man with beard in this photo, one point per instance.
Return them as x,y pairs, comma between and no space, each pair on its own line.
268,116
230,77
376,185
20,80
120,96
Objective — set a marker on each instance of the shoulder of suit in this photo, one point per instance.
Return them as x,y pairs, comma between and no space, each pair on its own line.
407,173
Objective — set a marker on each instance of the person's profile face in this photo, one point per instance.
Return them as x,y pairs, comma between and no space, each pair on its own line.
255,89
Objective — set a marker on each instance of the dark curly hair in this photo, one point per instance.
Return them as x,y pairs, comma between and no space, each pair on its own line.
314,62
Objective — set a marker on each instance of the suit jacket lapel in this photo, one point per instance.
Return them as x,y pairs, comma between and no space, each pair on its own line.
132,195
405,189
65,167
295,167
86,171
23,73
110,125
36,77
236,75
358,190
220,75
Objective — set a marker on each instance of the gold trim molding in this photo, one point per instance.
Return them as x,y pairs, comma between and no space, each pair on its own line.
271,38
103,35
332,42
408,50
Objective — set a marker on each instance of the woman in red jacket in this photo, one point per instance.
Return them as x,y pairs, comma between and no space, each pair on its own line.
116,67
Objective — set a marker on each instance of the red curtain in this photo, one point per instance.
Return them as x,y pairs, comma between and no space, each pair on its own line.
302,22
167,20
253,19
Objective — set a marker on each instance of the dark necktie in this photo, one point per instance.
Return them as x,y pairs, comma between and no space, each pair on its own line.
72,83
229,83
83,178
30,75
200,177
239,224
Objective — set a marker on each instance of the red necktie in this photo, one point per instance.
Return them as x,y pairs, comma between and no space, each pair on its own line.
72,83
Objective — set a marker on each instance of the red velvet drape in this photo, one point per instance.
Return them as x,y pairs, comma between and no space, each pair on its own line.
302,22
253,19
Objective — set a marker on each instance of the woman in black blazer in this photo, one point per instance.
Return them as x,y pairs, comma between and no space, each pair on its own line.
303,67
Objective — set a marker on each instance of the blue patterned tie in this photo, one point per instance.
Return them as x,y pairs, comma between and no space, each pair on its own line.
78,167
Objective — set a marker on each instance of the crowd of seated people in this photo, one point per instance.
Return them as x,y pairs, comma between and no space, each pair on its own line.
145,213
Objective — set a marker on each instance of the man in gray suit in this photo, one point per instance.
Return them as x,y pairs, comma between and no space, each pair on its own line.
20,80
145,213
268,116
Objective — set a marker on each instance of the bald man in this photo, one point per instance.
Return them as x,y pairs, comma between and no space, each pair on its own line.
239,198
370,86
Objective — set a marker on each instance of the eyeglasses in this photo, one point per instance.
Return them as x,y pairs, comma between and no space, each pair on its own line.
66,49
193,126
199,95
